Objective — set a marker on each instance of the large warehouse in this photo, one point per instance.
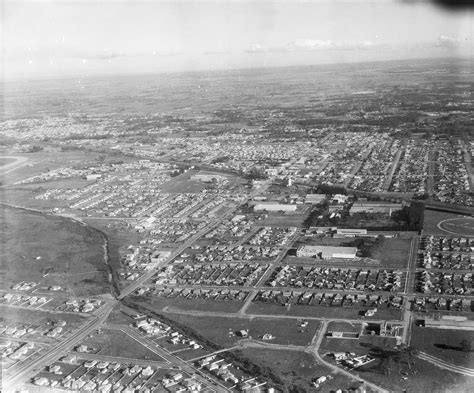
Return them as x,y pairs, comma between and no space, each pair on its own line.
326,252
375,207
274,207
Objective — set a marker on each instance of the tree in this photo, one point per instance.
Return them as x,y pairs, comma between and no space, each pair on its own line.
466,345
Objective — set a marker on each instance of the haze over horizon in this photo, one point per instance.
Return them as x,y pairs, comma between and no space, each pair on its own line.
44,39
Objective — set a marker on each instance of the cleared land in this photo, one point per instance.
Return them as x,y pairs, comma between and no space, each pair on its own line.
50,251
392,252
7,160
12,315
222,330
118,344
445,344
158,303
321,311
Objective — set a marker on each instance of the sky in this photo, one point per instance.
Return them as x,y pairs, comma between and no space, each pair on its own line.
44,39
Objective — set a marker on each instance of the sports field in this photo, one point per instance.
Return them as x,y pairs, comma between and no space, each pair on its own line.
462,226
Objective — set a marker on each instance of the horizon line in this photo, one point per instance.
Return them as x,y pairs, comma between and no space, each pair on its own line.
225,70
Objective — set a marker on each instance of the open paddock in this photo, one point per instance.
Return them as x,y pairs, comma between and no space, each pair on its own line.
105,343
224,331
324,312
159,303
446,344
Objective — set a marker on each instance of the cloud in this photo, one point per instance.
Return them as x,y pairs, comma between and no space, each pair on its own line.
115,55
105,56
309,45
216,52
445,41
257,48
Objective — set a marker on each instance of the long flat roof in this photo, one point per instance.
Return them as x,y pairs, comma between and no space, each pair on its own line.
331,249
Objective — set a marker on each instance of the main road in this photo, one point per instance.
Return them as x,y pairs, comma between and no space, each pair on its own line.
409,290
51,355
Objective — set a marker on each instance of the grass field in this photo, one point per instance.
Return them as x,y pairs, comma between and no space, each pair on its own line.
424,377
344,327
183,303
320,311
117,343
444,344
6,161
17,315
216,329
393,253
52,251
284,220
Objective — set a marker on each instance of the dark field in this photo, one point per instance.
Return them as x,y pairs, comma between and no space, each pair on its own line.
52,251
445,344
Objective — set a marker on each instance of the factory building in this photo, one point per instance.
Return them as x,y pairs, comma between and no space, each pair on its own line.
274,207
326,252
375,207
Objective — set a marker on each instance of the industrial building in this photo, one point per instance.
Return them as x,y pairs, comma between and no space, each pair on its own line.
447,322
274,207
375,207
351,232
314,199
326,252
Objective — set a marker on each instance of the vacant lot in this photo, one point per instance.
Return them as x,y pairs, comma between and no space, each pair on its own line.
291,219
445,344
158,303
222,330
6,160
318,311
423,377
27,317
344,327
52,251
116,343
392,253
